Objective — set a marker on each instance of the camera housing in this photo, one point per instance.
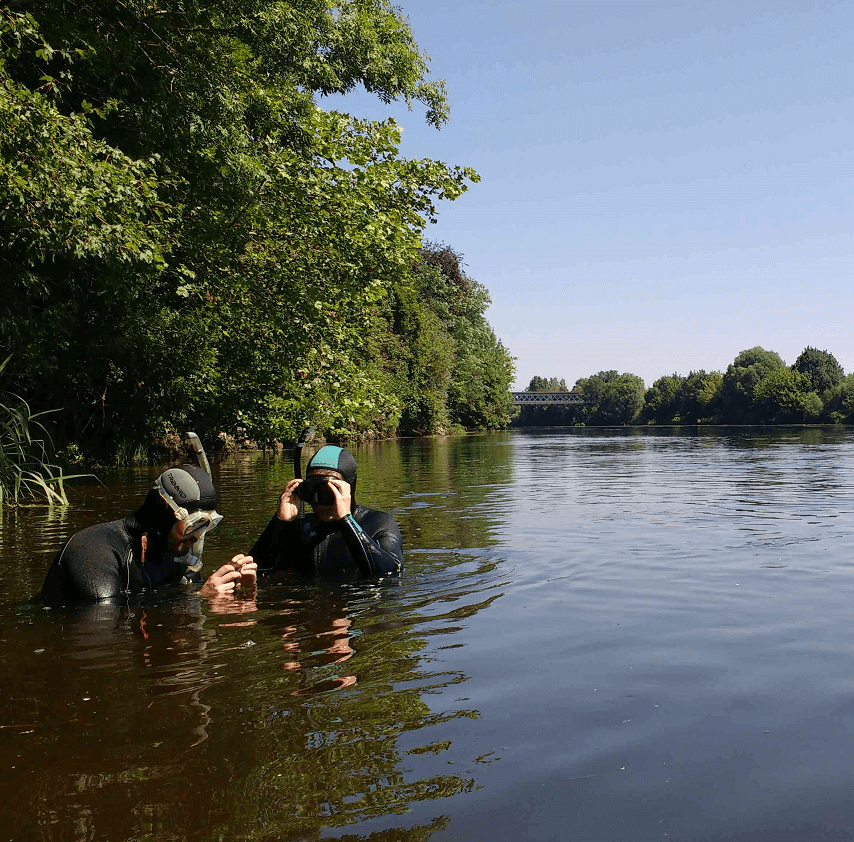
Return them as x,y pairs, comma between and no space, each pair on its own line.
316,491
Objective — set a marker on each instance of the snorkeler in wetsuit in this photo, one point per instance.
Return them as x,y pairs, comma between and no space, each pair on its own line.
150,548
339,536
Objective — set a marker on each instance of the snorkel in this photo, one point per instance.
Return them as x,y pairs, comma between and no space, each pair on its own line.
193,523
201,456
305,435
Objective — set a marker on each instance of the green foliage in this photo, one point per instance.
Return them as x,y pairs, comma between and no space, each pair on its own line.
547,384
131,453
611,399
738,403
482,370
700,394
821,369
662,400
840,401
479,392
27,473
784,396
189,239
682,400
758,388
444,358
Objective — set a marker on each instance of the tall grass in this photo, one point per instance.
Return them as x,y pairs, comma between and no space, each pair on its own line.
26,473
128,453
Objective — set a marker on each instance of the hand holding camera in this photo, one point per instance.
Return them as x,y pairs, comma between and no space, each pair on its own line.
289,501
328,495
316,490
339,489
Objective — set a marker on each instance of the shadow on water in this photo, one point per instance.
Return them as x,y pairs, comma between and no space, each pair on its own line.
288,715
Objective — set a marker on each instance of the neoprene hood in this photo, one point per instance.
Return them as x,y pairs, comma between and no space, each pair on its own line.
337,459
190,487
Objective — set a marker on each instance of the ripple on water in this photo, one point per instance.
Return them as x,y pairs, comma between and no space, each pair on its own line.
645,631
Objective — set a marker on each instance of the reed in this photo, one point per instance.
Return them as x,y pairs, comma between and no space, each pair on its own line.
128,453
26,473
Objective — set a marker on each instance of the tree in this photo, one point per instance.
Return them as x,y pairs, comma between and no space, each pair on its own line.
193,239
784,396
682,400
839,407
478,391
738,389
820,367
439,353
611,398
547,384
662,400
699,395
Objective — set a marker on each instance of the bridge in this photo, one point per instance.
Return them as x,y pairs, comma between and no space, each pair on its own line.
546,398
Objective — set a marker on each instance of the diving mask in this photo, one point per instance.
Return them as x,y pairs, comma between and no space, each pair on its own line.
316,491
196,524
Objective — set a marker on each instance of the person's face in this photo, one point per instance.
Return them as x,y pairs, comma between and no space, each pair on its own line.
177,542
324,512
180,541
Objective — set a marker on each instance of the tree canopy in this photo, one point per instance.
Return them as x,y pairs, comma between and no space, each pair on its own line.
547,384
757,388
190,238
821,369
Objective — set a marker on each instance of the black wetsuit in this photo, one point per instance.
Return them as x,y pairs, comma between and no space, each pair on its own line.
366,540
103,561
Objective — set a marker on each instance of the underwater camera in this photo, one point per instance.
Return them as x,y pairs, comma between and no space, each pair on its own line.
316,491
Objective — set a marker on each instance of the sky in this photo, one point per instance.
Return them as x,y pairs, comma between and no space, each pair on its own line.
664,184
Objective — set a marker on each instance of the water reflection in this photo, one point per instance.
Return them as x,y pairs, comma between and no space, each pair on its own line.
285,714
283,725
598,629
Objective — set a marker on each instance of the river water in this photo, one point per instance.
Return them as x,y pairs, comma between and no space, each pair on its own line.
600,635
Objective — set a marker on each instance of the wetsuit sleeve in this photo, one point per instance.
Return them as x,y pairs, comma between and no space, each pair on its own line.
269,552
377,547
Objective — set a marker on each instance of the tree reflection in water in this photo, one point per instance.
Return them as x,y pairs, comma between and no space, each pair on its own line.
323,744
288,714
276,716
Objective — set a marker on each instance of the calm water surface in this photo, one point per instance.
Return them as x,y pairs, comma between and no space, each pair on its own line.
601,635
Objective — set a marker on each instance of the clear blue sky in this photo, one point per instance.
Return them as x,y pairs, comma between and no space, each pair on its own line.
664,184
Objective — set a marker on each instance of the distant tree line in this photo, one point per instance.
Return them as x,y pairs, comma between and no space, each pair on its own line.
757,388
188,240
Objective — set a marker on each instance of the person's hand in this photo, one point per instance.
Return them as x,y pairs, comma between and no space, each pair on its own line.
247,568
341,490
340,507
221,582
289,502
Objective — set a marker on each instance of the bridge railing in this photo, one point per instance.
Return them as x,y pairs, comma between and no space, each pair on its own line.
546,398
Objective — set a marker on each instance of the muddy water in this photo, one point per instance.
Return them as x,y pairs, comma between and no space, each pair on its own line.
600,635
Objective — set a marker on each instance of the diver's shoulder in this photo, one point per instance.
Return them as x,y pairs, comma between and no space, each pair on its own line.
113,533
375,517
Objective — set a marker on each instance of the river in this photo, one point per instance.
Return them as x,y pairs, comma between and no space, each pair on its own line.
600,635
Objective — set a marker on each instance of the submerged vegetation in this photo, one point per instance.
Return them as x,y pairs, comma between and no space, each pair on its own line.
188,239
757,388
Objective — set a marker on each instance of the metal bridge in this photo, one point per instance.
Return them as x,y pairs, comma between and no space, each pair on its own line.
546,398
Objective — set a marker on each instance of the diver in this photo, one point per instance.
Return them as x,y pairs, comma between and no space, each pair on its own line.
339,536
159,544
